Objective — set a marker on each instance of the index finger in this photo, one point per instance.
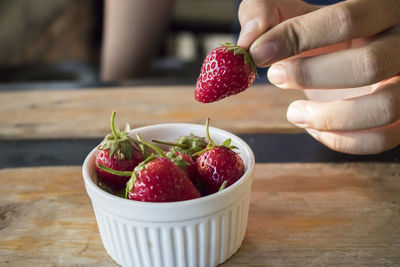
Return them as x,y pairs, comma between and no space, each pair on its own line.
258,16
328,25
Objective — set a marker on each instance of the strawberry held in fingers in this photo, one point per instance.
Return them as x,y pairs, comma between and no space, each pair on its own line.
218,166
227,70
119,152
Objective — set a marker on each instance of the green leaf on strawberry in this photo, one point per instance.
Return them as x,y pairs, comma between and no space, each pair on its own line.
211,144
237,50
176,158
188,144
119,143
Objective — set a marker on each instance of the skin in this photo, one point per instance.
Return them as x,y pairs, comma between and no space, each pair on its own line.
133,30
347,54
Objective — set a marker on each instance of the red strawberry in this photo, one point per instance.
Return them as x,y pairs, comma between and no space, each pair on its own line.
158,179
227,70
119,152
183,148
188,165
218,166
180,159
161,180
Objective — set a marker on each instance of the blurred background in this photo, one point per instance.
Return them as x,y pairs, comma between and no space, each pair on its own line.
58,43
47,43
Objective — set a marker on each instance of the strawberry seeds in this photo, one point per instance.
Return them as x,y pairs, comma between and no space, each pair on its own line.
139,170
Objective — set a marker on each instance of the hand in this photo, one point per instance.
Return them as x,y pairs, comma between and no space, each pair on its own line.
353,44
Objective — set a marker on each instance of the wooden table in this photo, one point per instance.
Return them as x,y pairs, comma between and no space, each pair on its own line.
85,113
301,214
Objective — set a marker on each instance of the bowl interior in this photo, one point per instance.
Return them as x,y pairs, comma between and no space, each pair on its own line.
168,132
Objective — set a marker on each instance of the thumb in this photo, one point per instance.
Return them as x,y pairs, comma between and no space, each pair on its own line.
256,17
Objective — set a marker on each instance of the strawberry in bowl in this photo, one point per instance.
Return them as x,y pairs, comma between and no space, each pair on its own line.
218,166
118,151
184,148
159,178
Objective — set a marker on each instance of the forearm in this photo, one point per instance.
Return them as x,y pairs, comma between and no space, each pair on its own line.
133,30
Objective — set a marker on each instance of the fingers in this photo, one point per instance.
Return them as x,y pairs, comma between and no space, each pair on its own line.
255,17
376,61
258,16
332,24
360,142
367,124
378,109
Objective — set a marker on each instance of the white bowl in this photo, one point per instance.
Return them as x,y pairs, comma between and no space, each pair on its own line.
198,232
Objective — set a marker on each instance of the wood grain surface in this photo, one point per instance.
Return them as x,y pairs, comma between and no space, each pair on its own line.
85,113
300,215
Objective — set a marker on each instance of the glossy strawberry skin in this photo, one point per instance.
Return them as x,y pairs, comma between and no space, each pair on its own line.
190,169
115,182
162,181
217,165
222,74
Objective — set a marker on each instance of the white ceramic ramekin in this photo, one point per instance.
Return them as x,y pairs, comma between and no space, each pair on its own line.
199,232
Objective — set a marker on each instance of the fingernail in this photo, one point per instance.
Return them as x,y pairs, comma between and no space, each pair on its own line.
249,27
298,114
264,54
277,74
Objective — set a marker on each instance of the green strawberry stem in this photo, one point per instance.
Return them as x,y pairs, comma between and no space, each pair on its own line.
142,147
115,172
226,143
211,142
141,166
188,144
176,159
168,143
114,132
156,149
119,143
222,186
